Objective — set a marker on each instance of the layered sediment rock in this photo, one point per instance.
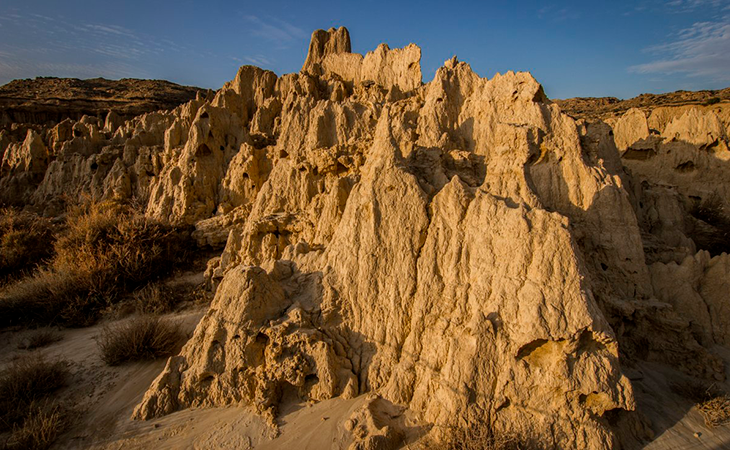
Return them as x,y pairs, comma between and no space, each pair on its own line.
461,247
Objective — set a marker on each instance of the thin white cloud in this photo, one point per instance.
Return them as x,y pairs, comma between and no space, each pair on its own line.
681,6
703,50
708,7
554,14
14,68
258,60
60,47
274,29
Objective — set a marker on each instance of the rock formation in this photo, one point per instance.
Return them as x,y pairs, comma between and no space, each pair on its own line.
462,247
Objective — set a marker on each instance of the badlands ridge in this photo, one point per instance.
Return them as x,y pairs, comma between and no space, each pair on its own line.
462,249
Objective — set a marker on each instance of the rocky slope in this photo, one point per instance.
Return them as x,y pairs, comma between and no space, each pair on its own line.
461,248
607,107
42,100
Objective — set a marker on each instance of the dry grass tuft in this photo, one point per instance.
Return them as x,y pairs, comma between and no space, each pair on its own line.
154,298
40,429
478,435
39,338
711,402
141,337
25,384
26,241
106,252
482,438
716,411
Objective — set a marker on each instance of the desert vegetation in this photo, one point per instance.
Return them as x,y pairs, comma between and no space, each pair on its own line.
98,259
39,338
105,252
26,242
709,399
29,416
138,338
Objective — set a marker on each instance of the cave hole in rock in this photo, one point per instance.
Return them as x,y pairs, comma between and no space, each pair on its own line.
262,339
686,166
530,347
203,150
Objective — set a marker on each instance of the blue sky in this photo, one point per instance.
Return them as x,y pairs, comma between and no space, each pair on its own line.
574,48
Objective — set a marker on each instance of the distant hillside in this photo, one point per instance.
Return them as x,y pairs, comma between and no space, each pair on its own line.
43,100
605,107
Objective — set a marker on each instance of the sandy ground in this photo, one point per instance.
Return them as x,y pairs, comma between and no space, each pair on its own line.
103,397
674,419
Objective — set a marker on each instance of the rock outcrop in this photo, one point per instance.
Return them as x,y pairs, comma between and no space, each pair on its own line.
461,248
424,249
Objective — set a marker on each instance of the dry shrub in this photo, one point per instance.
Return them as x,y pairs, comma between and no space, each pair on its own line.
26,241
39,338
482,438
40,428
479,435
108,247
49,298
711,402
106,252
154,298
716,411
141,337
26,384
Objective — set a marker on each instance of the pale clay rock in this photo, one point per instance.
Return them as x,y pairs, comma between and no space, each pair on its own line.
461,248
426,291
698,289
630,128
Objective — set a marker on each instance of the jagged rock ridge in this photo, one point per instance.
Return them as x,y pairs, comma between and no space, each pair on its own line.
461,247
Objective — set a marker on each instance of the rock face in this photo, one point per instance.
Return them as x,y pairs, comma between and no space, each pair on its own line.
461,248
698,289
422,249
325,43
